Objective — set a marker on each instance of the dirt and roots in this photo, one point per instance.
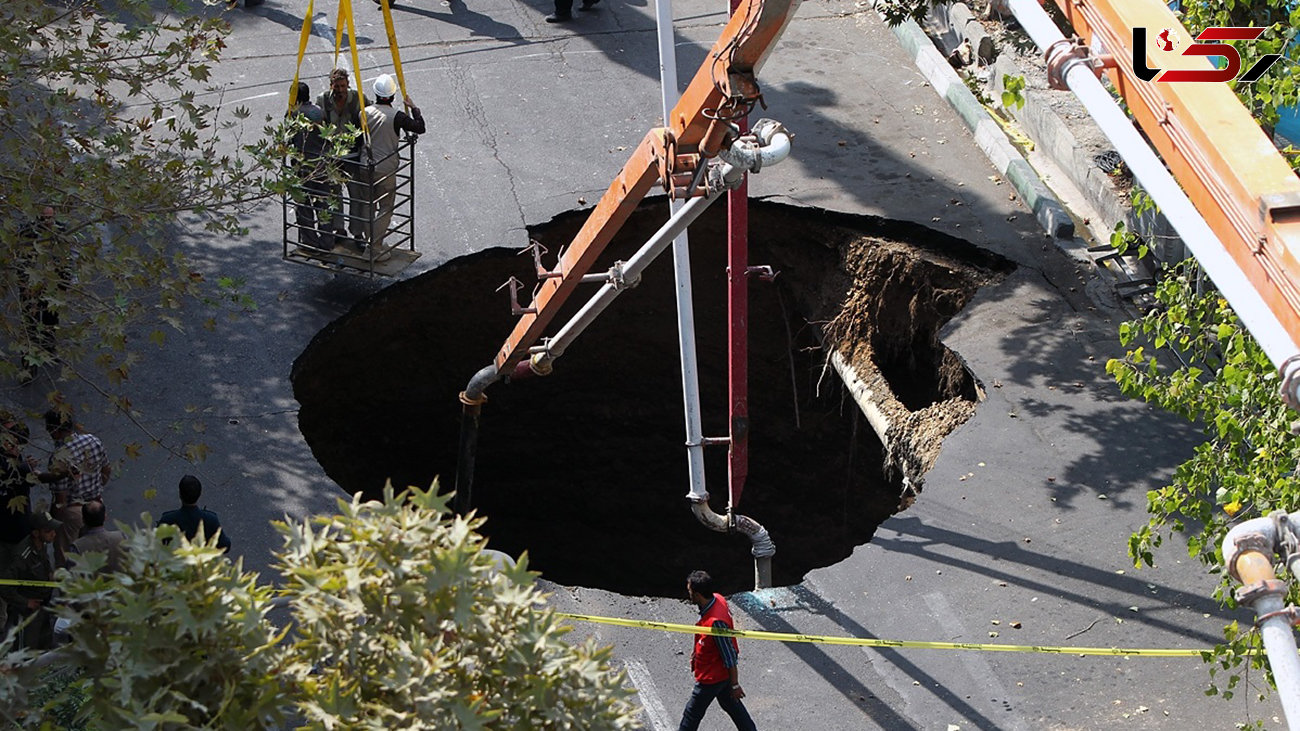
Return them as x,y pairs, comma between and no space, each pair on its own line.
586,469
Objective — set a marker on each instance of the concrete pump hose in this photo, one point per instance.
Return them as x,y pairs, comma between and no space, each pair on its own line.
763,547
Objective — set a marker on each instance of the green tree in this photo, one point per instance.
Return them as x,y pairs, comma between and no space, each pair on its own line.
106,124
1193,357
1280,87
400,620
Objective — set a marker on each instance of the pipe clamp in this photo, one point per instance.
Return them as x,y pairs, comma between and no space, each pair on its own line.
1252,593
1062,56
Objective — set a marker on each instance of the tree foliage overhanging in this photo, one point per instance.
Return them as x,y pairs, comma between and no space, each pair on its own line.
1192,356
107,117
399,620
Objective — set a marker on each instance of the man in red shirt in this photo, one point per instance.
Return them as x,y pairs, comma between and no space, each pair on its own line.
714,660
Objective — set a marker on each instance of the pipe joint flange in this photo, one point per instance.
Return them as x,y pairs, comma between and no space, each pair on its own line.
1252,593
1247,543
1062,56
468,400
767,129
723,177
542,364
1257,542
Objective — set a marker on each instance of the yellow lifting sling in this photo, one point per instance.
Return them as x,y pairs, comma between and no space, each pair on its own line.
345,21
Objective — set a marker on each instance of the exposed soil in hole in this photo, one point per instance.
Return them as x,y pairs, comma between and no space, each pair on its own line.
586,468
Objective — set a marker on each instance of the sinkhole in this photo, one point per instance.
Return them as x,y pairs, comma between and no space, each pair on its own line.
586,469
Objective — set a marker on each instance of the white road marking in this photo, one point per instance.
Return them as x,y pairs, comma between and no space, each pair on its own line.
979,668
639,674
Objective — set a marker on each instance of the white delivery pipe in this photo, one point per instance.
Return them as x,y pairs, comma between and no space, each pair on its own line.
1164,190
682,268
1248,549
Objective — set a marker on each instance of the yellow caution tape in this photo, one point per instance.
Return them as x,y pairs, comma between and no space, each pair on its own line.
693,629
868,642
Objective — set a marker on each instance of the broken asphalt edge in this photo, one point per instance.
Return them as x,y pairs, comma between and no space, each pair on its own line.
1053,217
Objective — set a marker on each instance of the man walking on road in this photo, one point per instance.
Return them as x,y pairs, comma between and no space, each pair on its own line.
714,660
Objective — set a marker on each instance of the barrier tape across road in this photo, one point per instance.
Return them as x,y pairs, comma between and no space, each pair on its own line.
832,640
871,642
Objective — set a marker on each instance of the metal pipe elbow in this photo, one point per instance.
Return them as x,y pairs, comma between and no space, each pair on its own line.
705,515
774,141
768,143
474,390
1253,534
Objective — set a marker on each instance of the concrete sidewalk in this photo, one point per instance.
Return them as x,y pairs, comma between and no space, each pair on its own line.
1025,515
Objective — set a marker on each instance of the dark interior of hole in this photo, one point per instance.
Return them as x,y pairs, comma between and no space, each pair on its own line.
586,468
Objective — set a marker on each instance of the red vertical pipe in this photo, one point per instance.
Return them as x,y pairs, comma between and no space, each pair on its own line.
738,332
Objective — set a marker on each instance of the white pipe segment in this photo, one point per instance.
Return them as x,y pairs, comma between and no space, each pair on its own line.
682,268
1165,191
1279,639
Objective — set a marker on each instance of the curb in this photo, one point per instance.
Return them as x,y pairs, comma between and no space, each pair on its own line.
1047,209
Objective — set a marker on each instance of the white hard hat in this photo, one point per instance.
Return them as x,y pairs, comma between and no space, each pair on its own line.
385,86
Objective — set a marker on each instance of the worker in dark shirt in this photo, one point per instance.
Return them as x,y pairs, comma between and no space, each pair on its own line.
30,599
190,516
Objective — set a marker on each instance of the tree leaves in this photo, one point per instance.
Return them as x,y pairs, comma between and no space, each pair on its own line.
400,619
1211,371
73,81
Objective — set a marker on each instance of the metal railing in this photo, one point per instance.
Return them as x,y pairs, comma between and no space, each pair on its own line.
336,224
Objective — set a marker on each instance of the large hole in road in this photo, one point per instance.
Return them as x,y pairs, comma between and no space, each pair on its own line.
586,468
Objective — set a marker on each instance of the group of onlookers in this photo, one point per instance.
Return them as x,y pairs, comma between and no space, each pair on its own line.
37,538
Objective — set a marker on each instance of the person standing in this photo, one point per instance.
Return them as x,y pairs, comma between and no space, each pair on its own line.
31,563
385,126
190,516
715,659
77,473
98,538
341,106
564,10
312,200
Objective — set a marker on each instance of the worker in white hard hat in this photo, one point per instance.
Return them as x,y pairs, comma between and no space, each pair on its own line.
385,125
